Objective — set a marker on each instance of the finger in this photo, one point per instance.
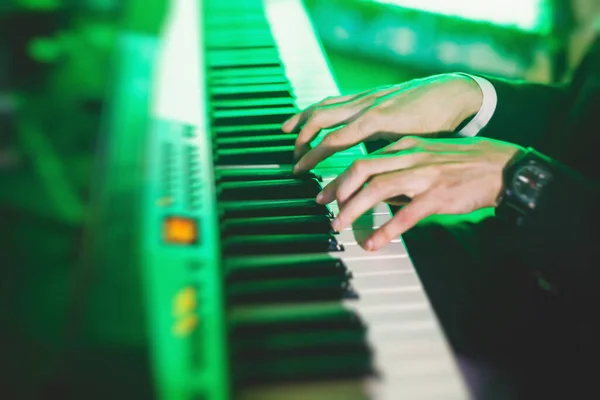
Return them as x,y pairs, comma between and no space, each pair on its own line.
407,217
378,189
296,120
301,151
341,139
328,194
404,143
330,117
378,91
445,146
353,178
290,125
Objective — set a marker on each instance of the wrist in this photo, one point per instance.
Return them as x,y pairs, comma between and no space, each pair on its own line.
469,96
473,97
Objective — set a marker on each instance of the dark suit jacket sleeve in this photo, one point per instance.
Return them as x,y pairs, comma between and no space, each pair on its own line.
524,112
561,237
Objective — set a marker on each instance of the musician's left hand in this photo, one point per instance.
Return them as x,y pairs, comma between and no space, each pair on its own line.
439,176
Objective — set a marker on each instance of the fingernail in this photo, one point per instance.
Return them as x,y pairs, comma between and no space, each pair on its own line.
320,197
285,126
335,224
296,168
369,244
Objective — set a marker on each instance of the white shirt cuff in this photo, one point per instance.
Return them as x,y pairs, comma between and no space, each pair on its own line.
488,107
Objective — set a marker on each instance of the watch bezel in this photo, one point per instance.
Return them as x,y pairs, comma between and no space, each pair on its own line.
510,195
529,200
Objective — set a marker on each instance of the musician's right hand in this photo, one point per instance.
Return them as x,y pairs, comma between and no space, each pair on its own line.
423,107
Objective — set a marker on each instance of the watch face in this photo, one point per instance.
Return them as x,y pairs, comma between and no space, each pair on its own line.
528,182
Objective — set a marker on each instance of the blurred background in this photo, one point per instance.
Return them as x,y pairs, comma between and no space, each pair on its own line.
60,62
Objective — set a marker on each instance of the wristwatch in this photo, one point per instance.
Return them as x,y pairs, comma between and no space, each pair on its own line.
525,177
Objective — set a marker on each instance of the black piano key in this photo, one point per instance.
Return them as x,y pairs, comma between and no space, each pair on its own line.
248,80
253,37
231,44
248,345
245,269
247,130
324,317
313,322
277,155
273,102
277,225
266,63
351,363
256,141
251,91
269,190
259,90
259,64
260,174
251,53
242,61
286,345
284,290
226,73
281,244
251,116
272,208
318,333
315,345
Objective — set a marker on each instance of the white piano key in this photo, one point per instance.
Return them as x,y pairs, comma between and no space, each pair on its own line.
380,209
387,309
410,350
378,257
393,288
401,264
386,274
426,389
355,251
346,243
382,282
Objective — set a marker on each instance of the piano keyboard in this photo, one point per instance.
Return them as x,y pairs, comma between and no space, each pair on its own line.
251,294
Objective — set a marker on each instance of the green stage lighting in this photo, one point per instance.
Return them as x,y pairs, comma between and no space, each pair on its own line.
527,15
